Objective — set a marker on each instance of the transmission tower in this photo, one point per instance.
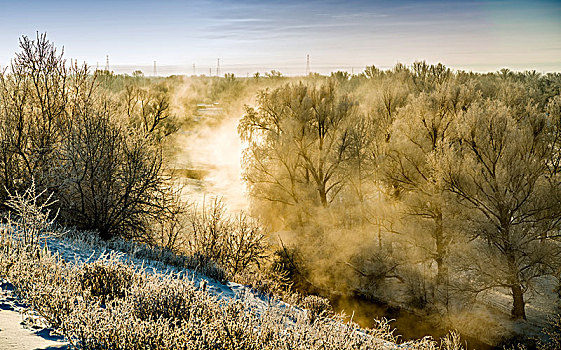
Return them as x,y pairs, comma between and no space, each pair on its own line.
194,71
307,65
155,73
218,67
107,63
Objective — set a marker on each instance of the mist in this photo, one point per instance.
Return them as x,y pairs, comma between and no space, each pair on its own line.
214,152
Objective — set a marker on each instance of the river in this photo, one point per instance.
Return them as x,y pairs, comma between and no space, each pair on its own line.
209,159
407,324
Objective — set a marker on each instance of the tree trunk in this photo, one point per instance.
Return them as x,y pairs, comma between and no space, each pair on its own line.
442,270
441,249
322,196
518,310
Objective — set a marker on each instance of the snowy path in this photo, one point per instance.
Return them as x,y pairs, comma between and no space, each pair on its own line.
14,335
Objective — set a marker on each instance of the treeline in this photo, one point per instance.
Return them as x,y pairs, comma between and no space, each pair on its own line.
445,183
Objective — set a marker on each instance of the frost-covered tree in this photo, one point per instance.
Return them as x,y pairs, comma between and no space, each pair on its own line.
418,133
61,132
297,139
498,168
34,96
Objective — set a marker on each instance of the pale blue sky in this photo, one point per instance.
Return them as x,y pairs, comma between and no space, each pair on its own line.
253,36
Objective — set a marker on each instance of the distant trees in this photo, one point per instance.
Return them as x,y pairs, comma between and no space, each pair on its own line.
361,156
553,112
138,74
427,77
149,110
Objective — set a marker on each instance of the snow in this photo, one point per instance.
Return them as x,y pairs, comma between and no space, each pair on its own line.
20,328
81,252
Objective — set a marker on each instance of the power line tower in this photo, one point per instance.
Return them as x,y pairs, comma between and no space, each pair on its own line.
194,71
218,67
307,65
107,63
155,72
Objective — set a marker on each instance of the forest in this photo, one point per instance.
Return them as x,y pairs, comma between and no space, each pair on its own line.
423,188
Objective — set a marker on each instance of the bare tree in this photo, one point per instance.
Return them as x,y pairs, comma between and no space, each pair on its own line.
149,109
60,131
113,175
34,96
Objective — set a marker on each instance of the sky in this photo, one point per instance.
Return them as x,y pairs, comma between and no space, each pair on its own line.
251,35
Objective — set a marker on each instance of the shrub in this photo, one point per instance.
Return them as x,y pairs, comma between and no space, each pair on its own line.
210,226
233,243
268,280
106,278
179,301
33,217
417,287
553,334
246,244
161,311
43,280
317,307
196,262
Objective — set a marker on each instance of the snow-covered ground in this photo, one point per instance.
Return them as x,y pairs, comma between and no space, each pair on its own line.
21,328
81,251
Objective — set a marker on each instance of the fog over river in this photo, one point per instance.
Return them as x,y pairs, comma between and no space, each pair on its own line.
209,157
